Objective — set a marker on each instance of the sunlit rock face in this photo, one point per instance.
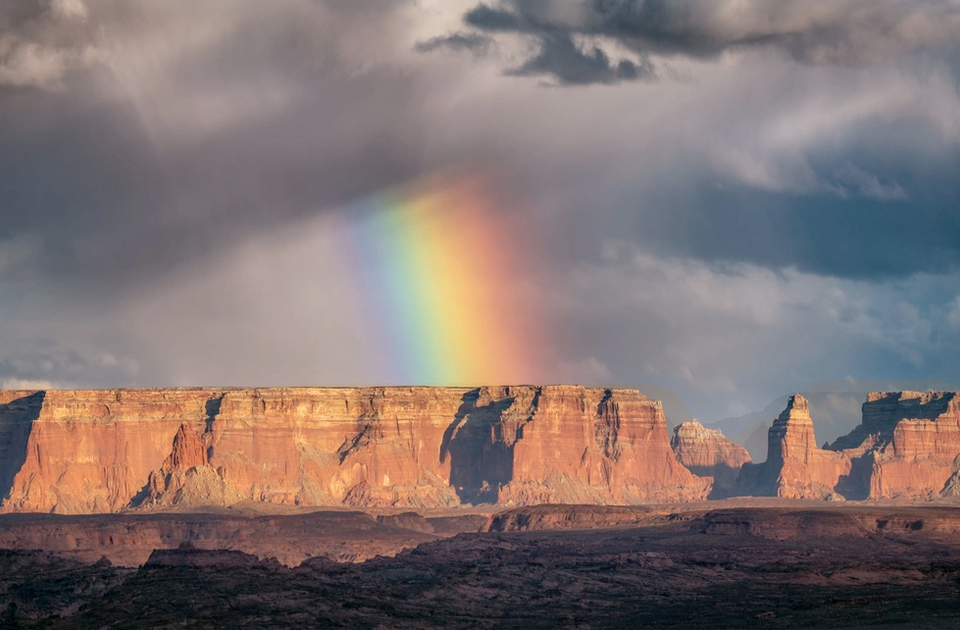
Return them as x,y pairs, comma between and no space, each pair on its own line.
708,453
907,447
92,451
109,450
579,445
804,470
917,457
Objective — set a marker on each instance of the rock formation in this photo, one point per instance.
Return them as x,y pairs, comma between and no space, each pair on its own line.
707,453
796,467
110,450
92,451
185,479
912,443
907,447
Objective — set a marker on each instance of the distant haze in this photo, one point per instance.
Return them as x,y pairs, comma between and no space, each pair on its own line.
726,199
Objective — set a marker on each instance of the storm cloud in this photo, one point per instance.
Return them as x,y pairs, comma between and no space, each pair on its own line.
137,135
561,58
846,32
700,214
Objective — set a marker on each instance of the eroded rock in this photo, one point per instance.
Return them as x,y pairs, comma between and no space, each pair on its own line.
410,447
907,447
708,453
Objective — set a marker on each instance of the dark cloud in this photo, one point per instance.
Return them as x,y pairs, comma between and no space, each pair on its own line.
823,234
813,31
136,136
458,42
492,19
561,58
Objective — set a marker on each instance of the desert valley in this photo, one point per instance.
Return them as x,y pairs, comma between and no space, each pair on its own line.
430,314
421,507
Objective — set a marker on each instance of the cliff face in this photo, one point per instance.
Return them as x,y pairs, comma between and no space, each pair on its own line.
576,444
91,451
707,453
908,446
918,456
803,469
104,451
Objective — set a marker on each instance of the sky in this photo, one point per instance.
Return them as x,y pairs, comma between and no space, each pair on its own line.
731,199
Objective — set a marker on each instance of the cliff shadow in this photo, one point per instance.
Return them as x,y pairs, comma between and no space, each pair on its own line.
16,423
754,481
851,440
480,459
212,410
725,479
856,485
883,414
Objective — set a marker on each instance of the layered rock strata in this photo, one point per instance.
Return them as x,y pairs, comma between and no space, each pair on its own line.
110,450
796,468
907,447
708,453
916,456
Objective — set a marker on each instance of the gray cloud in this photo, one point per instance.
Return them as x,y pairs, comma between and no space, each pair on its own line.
40,43
868,185
739,327
561,58
165,165
458,42
848,32
491,19
46,347
136,136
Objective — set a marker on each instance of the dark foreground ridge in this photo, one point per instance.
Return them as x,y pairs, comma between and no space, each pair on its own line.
801,566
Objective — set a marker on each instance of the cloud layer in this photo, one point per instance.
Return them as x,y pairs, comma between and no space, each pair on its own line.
844,32
705,215
141,134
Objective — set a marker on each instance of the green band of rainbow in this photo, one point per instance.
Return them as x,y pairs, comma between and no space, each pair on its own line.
434,275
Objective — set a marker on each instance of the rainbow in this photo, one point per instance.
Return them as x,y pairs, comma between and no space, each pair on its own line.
439,277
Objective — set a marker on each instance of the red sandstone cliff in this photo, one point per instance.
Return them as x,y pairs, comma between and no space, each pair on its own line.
92,451
708,453
802,469
578,445
917,455
908,447
103,451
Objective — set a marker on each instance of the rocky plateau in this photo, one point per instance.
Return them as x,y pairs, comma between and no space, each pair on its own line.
495,507
104,451
707,453
109,451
